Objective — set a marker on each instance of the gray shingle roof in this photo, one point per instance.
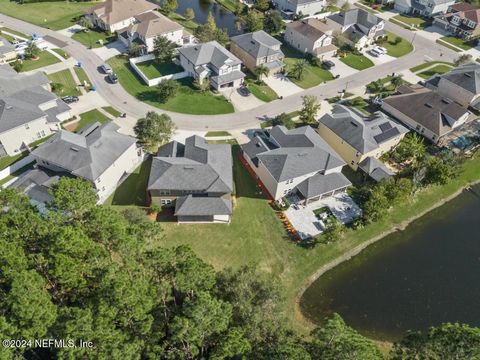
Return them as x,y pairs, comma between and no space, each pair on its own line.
86,154
209,53
375,168
257,44
466,76
363,134
321,184
356,16
202,206
311,28
5,46
198,167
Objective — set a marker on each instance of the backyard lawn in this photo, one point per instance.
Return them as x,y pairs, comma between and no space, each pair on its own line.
416,22
358,62
88,118
68,84
437,69
460,43
190,25
53,15
92,38
261,91
396,50
44,59
187,100
153,69
9,160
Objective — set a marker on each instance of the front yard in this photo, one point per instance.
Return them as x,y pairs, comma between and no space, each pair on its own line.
396,50
68,86
358,62
412,21
93,38
187,100
458,42
437,69
261,91
153,69
45,58
428,64
87,118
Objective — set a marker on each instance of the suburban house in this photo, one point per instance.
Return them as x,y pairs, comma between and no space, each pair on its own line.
359,27
194,178
461,20
426,8
356,137
375,169
311,36
148,26
113,15
213,62
256,49
290,8
461,84
7,51
98,153
29,111
296,163
427,112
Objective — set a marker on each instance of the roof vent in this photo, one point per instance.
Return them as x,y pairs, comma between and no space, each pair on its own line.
302,154
428,105
74,149
445,101
188,167
9,107
354,124
468,75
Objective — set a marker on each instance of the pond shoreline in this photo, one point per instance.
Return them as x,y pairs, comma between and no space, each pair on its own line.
300,317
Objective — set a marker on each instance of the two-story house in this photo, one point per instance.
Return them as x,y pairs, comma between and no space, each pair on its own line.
29,111
148,26
98,154
194,178
295,162
113,15
426,8
311,36
359,27
213,62
258,49
7,51
289,8
356,137
461,20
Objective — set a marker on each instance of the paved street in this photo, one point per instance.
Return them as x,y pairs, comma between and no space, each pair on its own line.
124,102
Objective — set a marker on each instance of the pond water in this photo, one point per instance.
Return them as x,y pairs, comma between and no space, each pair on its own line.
412,279
225,19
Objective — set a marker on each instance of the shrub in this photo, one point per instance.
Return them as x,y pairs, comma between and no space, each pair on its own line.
167,89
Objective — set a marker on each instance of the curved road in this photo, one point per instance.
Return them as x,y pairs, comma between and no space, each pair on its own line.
124,102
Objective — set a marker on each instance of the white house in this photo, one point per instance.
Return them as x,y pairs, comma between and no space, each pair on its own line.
28,110
303,7
423,7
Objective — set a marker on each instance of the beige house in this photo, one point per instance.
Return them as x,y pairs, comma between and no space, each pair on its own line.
258,49
310,36
355,137
113,15
7,51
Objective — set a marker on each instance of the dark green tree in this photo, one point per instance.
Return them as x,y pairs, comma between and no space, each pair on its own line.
167,89
154,130
273,22
163,49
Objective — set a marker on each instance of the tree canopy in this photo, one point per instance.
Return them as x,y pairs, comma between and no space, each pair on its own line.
154,130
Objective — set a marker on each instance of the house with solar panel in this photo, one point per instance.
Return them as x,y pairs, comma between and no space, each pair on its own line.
360,140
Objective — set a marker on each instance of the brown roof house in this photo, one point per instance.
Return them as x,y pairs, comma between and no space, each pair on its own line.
461,20
311,36
425,111
113,15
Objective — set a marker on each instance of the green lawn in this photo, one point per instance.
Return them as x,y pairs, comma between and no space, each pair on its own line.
427,64
460,43
112,111
6,36
65,78
54,15
82,75
358,62
416,22
90,117
9,160
62,53
189,25
152,69
437,69
358,103
217,133
44,59
92,38
12,31
261,91
396,50
187,100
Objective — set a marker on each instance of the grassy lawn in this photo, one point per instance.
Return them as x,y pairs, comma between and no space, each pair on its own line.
396,50
437,69
312,76
9,160
92,38
6,36
187,100
416,22
90,117
82,75
53,15
152,69
65,78
62,53
44,59
359,104
261,91
427,64
217,133
112,111
189,25
462,44
13,32
358,62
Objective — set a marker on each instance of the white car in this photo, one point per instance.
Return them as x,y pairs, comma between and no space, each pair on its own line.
375,52
380,50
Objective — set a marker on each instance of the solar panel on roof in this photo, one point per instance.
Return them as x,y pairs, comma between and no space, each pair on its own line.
385,126
390,133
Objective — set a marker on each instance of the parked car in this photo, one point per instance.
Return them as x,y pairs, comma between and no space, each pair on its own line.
243,91
328,64
375,53
113,78
70,99
106,68
380,50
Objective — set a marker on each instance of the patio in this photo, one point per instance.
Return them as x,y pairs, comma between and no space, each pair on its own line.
308,225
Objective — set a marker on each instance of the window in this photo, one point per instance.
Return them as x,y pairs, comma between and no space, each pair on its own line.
164,192
165,201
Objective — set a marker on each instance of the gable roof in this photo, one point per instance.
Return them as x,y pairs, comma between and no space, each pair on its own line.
88,153
257,44
114,11
466,76
195,166
356,16
209,53
319,184
310,28
426,107
375,168
152,24
192,205
362,133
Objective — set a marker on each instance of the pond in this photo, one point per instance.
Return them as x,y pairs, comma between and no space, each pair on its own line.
423,276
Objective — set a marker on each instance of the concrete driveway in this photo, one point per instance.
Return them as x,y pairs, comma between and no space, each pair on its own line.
378,60
340,68
70,31
282,85
110,50
241,102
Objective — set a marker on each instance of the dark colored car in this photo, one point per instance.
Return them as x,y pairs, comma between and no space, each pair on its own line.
113,78
327,64
243,91
70,99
